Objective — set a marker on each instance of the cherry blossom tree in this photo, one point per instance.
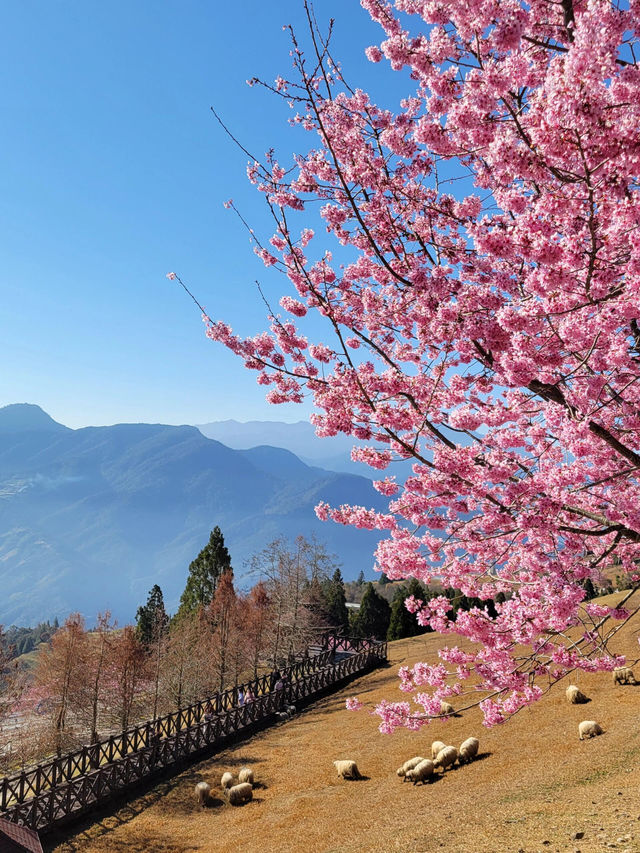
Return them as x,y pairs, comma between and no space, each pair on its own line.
481,320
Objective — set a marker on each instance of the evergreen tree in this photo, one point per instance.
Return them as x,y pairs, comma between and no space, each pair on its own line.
360,580
589,589
373,615
337,610
204,574
384,580
316,603
402,623
151,618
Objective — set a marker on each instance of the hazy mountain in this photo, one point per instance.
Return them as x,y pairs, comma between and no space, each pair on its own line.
91,518
333,453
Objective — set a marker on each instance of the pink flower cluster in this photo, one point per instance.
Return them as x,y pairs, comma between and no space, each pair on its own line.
482,322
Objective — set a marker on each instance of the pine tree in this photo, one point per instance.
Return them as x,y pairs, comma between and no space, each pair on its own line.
337,611
204,574
373,615
384,580
151,619
360,580
402,623
316,603
589,589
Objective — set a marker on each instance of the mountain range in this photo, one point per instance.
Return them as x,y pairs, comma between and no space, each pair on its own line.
333,453
91,518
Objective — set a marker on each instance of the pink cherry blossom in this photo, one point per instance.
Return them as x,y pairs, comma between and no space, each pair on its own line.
481,320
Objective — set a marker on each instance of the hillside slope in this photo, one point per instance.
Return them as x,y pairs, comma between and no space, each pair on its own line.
534,787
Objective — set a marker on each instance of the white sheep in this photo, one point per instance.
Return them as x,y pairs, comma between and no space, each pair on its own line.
239,794
446,708
226,781
202,793
624,675
447,757
290,710
575,695
282,715
245,774
409,765
468,749
347,769
436,747
421,772
589,728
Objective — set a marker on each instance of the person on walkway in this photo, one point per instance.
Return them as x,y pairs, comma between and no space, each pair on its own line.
275,678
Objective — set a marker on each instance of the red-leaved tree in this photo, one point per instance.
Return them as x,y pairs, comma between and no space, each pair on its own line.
483,321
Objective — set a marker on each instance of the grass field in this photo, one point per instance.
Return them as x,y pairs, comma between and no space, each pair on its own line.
535,786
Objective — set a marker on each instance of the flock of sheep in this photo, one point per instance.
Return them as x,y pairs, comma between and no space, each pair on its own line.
591,728
417,769
237,794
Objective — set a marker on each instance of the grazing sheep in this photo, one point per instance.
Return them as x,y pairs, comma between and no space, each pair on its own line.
226,781
290,710
239,794
588,728
446,708
421,772
624,675
202,793
245,774
409,765
282,715
347,769
436,747
575,696
468,749
447,757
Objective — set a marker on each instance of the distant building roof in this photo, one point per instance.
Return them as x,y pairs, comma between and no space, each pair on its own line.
18,839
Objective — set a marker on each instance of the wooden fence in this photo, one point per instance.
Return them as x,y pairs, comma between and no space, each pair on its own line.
63,788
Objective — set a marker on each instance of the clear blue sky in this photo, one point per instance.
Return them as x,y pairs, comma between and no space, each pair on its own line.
114,173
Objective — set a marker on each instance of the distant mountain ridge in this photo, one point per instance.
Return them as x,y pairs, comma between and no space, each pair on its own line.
333,453
91,518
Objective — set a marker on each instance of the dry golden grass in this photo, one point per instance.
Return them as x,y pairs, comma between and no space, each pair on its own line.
533,788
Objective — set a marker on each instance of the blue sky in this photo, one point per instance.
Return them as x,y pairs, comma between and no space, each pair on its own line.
115,172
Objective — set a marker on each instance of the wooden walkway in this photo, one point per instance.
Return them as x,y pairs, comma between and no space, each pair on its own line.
63,788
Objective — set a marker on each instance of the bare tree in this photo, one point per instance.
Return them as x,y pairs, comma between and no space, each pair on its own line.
222,616
127,671
257,614
95,654
182,674
60,673
293,576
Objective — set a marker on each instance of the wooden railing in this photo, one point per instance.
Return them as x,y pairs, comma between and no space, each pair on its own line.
55,791
341,643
